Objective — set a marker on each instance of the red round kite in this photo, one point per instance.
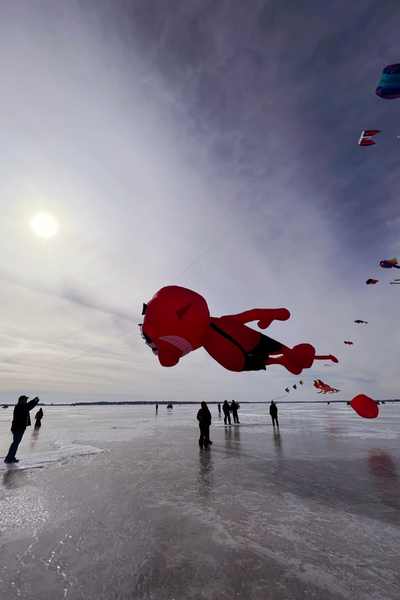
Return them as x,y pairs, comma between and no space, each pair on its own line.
365,406
177,321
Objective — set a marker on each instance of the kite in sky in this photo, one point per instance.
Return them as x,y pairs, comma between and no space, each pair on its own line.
324,388
360,321
177,321
372,281
389,83
364,406
348,342
366,137
389,263
287,389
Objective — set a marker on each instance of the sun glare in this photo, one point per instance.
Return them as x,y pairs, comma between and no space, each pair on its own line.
44,225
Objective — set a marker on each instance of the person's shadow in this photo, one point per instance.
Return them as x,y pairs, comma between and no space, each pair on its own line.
277,441
236,434
383,469
35,435
13,477
206,477
228,436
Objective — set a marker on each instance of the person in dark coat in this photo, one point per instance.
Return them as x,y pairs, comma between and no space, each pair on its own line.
21,420
38,418
226,409
273,411
234,409
204,419
219,409
156,408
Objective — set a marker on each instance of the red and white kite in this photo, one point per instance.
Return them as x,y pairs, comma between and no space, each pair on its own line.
366,135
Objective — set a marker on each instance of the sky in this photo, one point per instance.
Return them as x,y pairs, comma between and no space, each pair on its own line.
211,145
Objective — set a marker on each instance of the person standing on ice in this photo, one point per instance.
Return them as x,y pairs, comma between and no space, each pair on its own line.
21,420
156,408
204,419
273,411
234,409
219,409
226,409
38,418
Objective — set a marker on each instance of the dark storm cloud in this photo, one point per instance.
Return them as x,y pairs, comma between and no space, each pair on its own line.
277,84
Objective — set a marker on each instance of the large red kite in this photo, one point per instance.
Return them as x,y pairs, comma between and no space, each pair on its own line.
177,321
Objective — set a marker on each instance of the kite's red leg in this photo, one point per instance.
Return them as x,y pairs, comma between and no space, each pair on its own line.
293,359
326,357
285,362
298,358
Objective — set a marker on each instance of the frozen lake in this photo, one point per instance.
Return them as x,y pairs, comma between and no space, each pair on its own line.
116,503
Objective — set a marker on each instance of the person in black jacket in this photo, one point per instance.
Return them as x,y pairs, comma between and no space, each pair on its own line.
273,411
227,415
234,409
204,419
21,420
38,418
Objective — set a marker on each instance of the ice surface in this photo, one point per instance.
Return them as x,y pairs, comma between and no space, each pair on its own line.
125,505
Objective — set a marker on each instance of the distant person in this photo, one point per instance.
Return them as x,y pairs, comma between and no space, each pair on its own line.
234,409
226,409
38,418
273,411
21,420
219,409
156,408
204,419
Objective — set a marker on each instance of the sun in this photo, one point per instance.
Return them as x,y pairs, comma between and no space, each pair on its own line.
44,225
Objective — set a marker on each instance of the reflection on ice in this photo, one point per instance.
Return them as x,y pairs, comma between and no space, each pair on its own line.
205,478
382,464
13,477
54,455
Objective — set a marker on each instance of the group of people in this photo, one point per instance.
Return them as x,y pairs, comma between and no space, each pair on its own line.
22,420
204,418
227,409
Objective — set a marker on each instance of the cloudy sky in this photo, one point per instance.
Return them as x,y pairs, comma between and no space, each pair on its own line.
206,144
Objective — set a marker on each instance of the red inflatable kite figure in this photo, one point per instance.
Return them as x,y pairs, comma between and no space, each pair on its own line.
177,321
324,388
365,406
371,281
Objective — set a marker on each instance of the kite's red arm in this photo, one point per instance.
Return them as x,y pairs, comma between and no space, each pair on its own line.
264,316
